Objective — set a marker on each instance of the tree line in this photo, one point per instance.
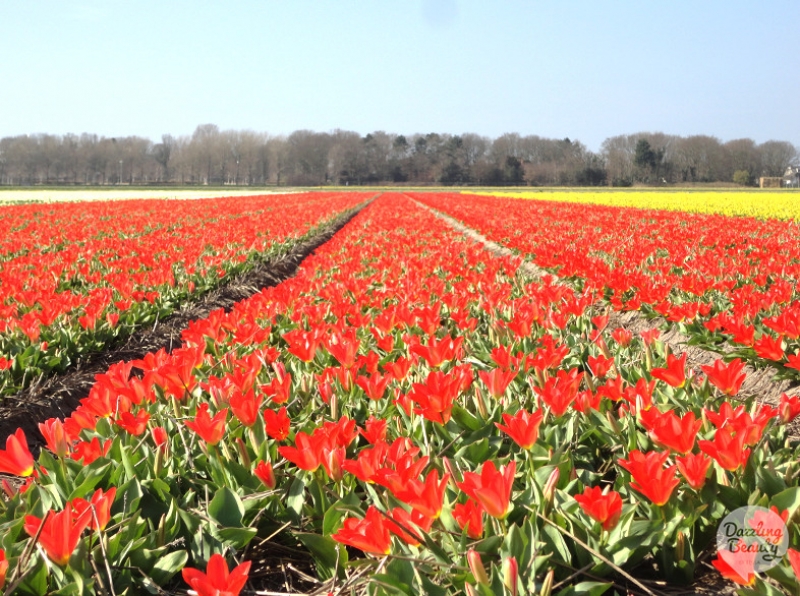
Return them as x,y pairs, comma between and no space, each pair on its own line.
307,158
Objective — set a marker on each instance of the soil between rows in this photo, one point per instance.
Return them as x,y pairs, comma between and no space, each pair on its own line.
59,394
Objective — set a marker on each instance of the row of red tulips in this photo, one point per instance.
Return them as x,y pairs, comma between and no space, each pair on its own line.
725,281
76,276
411,404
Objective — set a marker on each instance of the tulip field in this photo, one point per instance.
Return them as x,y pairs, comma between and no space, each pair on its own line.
409,412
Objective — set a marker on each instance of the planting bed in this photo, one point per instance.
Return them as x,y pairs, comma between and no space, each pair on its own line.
423,417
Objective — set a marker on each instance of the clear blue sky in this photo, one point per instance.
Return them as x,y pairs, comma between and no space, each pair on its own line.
586,69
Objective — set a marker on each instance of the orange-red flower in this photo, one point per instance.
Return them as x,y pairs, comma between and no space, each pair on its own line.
277,424
497,380
370,534
435,397
265,473
727,448
522,427
694,467
672,432
793,555
469,516
245,406
738,566
160,436
675,372
88,451
55,436
727,378
649,475
491,488
374,385
560,391
16,458
788,408
3,568
99,507
425,497
135,425
217,581
305,454
209,429
60,533
604,507
374,430
404,525
368,462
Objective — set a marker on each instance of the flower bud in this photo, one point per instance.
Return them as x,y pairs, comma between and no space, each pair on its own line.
613,422
680,546
265,473
476,567
510,575
243,452
550,486
547,585
481,404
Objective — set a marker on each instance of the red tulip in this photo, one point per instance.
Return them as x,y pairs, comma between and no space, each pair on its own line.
794,561
674,433
209,429
88,451
769,348
135,425
675,372
522,427
497,380
55,436
727,378
650,477
265,473
604,507
3,568
737,566
469,516
245,406
217,581
789,408
60,533
560,391
277,424
305,454
16,459
403,524
491,488
435,397
160,436
374,385
99,507
370,534
374,430
727,448
368,462
694,467
425,497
